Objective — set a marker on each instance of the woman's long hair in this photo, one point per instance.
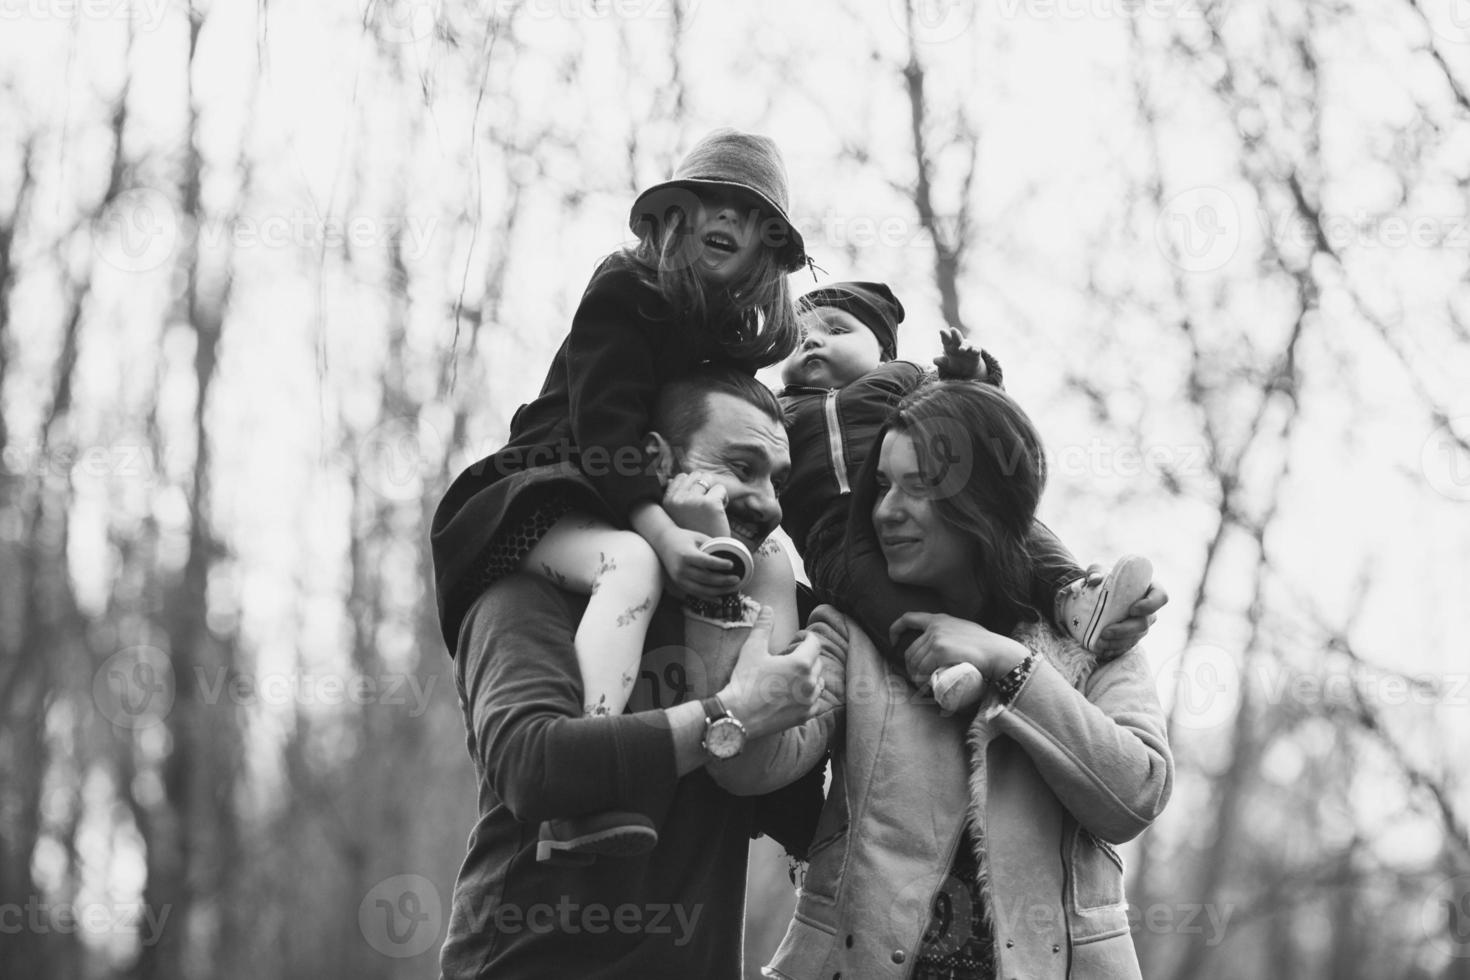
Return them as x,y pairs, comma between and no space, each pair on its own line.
985,467
753,320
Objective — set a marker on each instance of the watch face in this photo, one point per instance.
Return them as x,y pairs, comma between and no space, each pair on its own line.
724,738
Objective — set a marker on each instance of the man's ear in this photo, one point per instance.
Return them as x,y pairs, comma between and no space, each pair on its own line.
661,454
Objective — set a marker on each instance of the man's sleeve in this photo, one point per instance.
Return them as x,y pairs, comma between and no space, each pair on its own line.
528,736
789,815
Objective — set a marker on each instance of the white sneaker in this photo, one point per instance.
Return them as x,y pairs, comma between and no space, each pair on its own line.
1086,610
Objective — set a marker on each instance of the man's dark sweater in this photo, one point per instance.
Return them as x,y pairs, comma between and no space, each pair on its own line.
677,911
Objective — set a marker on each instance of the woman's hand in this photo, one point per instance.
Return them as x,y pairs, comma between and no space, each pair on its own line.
946,640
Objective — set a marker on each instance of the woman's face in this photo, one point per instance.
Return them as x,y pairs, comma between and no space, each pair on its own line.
919,548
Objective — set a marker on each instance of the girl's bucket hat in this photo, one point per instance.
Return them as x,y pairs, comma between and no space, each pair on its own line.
729,158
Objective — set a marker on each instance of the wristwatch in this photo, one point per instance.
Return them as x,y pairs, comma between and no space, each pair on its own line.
724,736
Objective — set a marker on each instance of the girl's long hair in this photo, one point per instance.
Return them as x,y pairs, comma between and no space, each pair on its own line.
753,320
984,463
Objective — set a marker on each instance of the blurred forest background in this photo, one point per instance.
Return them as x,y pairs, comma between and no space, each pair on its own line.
272,272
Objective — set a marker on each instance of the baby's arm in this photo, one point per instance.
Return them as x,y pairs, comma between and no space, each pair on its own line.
963,362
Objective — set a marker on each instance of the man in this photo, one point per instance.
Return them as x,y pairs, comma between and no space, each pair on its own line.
677,910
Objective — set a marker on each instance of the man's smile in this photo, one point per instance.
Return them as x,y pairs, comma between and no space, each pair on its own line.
748,532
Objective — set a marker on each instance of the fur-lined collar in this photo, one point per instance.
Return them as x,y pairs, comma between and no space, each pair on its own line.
1075,664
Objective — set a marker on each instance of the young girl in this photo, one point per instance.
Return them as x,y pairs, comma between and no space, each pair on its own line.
705,281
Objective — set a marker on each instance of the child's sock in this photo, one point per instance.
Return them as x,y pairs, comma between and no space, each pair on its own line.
957,686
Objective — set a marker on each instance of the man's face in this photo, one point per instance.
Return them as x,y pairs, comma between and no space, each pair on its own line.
745,452
835,351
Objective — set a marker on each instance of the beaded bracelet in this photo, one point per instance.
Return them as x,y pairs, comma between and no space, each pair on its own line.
1010,685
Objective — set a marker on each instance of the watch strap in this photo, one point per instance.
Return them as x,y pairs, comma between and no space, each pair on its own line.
714,708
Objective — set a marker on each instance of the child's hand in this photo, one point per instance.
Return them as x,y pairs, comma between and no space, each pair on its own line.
693,571
960,361
697,503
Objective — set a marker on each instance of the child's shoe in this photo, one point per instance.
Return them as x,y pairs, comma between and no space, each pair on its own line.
957,686
577,841
1086,610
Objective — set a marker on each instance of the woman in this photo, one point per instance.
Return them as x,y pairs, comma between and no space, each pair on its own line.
975,845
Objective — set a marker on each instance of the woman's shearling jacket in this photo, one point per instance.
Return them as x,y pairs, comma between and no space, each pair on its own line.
1076,763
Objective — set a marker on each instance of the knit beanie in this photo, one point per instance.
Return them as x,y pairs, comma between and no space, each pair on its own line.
872,303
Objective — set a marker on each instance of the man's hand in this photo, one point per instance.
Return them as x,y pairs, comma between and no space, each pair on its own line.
1124,635
960,361
769,692
946,640
697,503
